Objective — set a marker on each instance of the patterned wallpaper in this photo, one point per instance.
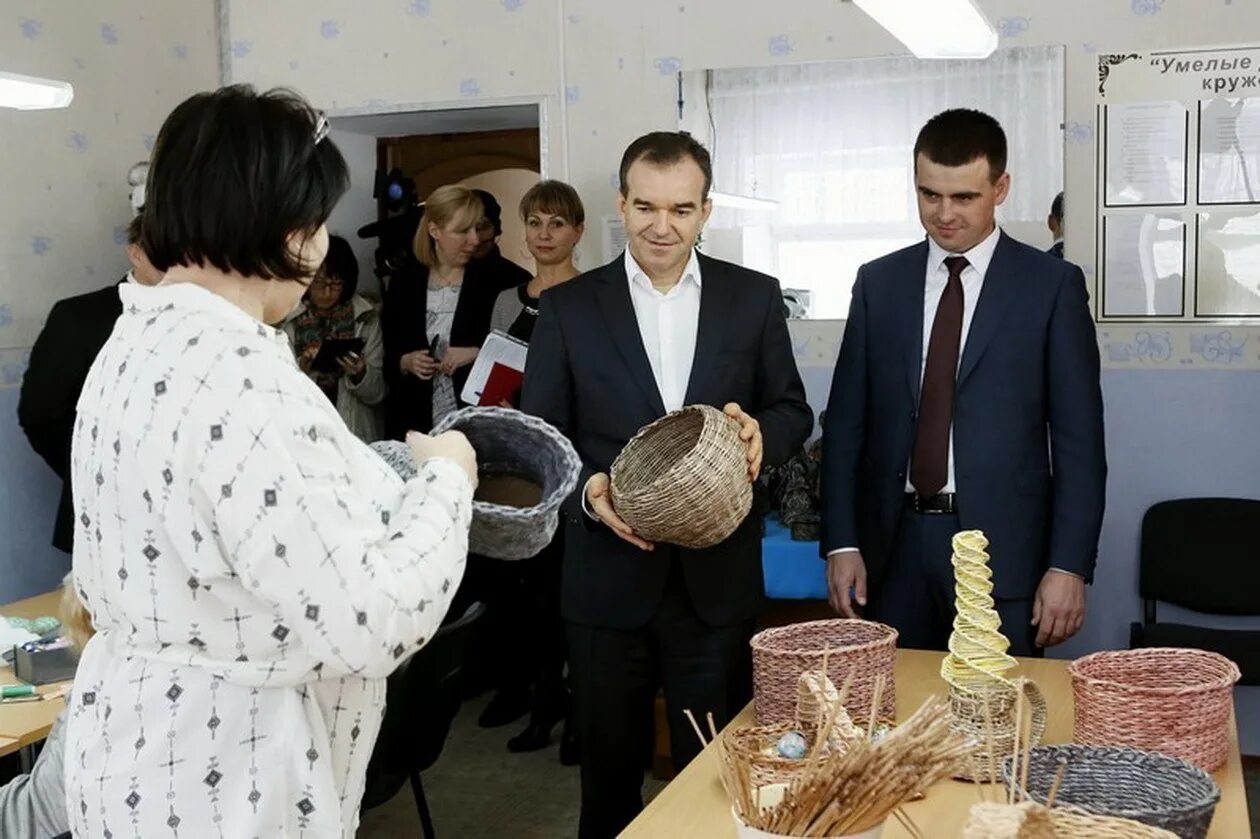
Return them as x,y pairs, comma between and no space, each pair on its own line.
617,78
64,173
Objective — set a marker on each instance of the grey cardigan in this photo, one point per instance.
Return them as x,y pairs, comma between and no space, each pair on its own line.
507,308
34,806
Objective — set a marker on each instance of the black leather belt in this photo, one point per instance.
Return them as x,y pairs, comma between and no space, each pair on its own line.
934,505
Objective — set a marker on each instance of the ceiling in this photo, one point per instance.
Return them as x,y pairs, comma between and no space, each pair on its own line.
445,121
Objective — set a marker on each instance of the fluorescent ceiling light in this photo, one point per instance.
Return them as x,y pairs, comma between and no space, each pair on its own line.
935,28
27,93
741,202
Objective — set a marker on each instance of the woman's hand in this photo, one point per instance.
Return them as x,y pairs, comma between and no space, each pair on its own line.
419,364
307,355
353,365
457,357
451,445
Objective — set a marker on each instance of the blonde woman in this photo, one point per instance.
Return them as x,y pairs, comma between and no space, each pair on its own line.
436,313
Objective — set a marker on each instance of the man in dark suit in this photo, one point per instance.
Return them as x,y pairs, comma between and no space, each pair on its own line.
1055,222
656,329
966,396
66,347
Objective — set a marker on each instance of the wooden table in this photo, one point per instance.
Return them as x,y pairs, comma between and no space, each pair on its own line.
694,804
25,723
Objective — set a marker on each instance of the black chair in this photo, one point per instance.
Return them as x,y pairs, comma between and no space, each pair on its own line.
1202,554
421,700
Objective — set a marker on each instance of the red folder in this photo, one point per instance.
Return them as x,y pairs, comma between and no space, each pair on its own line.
503,385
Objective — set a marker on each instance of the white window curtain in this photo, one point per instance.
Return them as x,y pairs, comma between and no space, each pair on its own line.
832,144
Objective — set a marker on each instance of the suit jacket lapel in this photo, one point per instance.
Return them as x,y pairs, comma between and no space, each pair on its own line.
996,296
715,311
912,277
623,328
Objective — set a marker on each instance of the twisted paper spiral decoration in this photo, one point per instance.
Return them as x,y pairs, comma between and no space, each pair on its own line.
977,649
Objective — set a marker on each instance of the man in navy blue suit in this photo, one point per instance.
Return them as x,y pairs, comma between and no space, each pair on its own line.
966,396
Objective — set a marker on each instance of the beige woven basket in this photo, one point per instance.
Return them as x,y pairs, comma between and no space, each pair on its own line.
683,480
866,649
1029,820
988,716
1158,699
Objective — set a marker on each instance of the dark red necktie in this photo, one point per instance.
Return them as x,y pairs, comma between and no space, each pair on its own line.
929,464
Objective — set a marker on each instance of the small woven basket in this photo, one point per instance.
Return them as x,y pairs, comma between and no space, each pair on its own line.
987,715
1161,699
683,479
1150,788
525,468
756,745
864,648
1029,819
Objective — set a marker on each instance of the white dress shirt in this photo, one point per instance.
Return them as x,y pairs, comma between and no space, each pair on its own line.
667,325
668,321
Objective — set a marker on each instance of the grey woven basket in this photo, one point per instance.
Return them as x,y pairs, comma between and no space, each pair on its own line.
1147,787
683,479
525,469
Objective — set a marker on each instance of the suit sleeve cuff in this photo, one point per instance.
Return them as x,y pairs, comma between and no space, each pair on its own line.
1065,571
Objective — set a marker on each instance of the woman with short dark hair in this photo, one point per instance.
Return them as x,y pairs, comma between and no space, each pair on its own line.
252,569
331,310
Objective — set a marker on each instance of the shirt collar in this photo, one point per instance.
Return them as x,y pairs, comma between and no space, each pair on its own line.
130,279
638,275
193,297
978,257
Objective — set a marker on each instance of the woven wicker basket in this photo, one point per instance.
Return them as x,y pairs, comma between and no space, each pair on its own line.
1160,699
1150,788
1029,819
756,745
987,715
525,468
683,480
864,648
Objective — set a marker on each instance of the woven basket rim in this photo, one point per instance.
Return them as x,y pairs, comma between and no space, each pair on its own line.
1079,668
1107,755
550,500
889,634
667,476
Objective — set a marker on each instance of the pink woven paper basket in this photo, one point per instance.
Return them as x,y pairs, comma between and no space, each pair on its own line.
865,648
1158,699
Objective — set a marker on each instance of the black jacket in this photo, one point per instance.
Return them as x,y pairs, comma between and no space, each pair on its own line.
409,404
76,329
588,374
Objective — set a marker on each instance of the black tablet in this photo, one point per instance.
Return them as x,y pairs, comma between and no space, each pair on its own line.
332,349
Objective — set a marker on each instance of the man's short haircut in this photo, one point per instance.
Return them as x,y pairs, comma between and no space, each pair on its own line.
235,173
342,264
1056,208
665,148
959,136
555,198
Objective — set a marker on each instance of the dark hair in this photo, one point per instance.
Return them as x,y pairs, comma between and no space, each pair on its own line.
959,136
555,198
134,231
234,173
1056,208
664,148
493,212
342,264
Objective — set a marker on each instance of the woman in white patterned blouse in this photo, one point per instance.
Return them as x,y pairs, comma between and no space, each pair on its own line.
254,571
